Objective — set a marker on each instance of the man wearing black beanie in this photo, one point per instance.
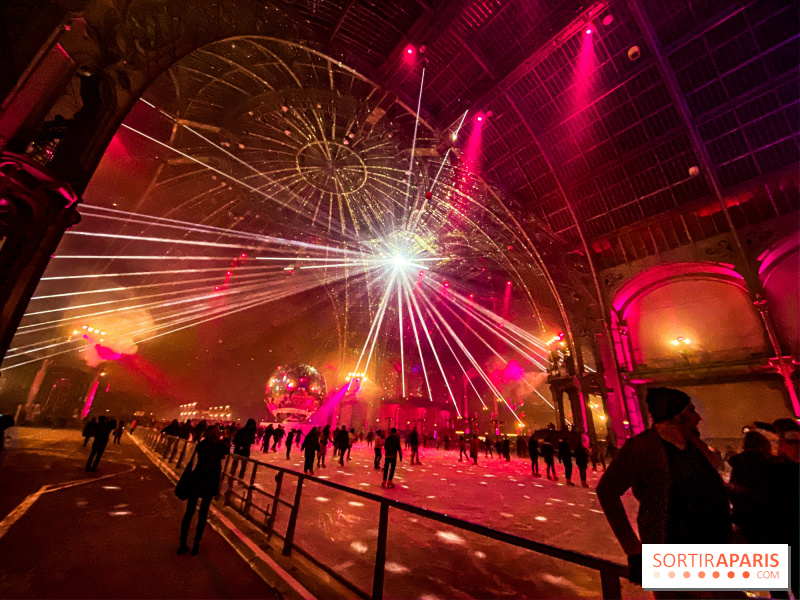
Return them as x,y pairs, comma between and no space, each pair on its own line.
674,477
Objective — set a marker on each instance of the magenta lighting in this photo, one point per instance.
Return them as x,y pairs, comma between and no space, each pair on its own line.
608,20
409,50
589,30
508,283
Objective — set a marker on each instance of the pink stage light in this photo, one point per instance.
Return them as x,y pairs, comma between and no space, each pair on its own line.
409,50
446,284
508,283
608,20
480,117
588,31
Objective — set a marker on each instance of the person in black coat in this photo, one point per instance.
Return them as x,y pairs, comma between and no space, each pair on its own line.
242,441
199,431
88,430
205,478
506,447
582,462
565,458
277,436
101,435
533,453
342,443
310,448
172,429
185,431
267,437
548,454
392,449
289,440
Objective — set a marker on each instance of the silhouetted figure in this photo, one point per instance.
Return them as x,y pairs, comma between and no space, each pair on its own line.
101,435
379,444
289,440
277,436
89,430
242,442
267,437
565,458
310,448
324,440
370,437
342,443
172,429
548,454
205,478
489,445
351,439
413,441
506,446
118,431
786,478
533,453
199,431
186,430
582,462
682,498
473,449
752,491
6,422
462,449
393,451
596,455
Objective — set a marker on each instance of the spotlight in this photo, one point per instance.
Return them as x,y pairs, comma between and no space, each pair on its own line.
454,136
479,117
428,195
446,284
608,20
399,261
588,31
409,50
508,283
420,273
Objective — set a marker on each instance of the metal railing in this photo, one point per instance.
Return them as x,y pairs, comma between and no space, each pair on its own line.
260,507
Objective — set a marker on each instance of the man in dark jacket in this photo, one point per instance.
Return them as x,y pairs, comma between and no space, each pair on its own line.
565,458
277,436
310,448
102,432
533,452
267,437
582,462
392,450
242,441
185,430
289,440
506,446
681,496
413,441
548,454
342,443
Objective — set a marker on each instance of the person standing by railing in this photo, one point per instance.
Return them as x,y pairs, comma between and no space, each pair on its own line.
242,441
393,450
310,447
204,486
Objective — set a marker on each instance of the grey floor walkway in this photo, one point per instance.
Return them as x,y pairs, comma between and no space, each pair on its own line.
110,534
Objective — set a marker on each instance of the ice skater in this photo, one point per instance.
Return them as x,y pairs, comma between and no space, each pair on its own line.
533,453
379,444
462,449
89,430
324,439
277,436
393,451
267,437
289,440
548,454
582,462
506,446
565,458
413,441
473,449
310,448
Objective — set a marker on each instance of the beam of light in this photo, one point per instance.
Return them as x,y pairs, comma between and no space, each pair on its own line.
153,273
382,310
153,221
402,354
245,277
372,328
220,312
471,358
145,257
435,354
419,346
453,352
414,140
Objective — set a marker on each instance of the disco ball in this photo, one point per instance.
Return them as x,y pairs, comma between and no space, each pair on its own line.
295,392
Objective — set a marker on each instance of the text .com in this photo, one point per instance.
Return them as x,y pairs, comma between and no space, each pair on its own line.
715,566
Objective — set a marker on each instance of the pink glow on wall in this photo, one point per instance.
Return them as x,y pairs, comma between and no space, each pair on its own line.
90,398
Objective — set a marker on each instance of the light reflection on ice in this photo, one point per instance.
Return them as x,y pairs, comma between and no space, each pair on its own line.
449,536
359,547
394,567
354,503
479,554
322,499
430,497
541,518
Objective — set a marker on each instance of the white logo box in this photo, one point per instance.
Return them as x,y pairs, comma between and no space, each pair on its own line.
715,567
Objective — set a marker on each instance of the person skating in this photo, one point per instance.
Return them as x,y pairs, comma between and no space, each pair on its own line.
462,449
204,484
582,462
370,438
506,446
289,440
277,436
473,449
342,443
101,435
489,445
89,430
565,458
324,440
393,451
533,453
310,447
351,439
682,498
413,441
242,442
266,438
548,454
379,444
